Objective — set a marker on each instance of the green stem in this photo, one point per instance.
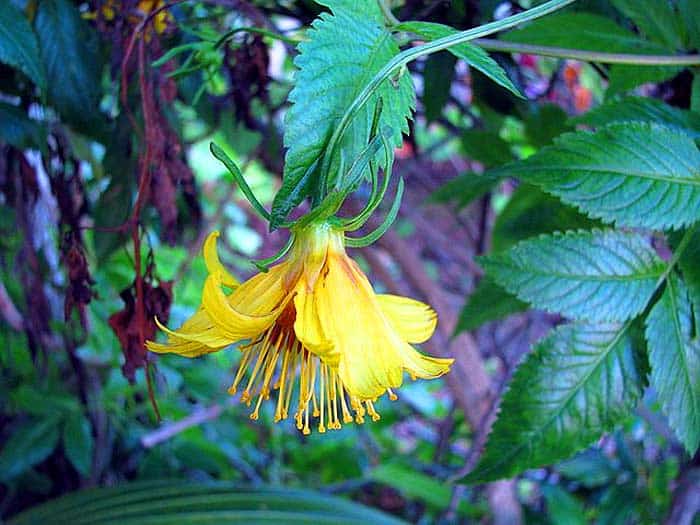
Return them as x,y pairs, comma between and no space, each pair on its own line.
588,56
258,30
403,58
386,11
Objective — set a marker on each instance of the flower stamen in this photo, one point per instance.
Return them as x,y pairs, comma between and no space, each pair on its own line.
281,361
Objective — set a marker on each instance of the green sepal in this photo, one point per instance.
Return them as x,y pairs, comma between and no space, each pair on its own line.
263,264
231,166
361,242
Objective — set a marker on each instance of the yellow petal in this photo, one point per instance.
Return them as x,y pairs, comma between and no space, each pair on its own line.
209,336
195,337
264,292
423,366
182,347
231,322
307,325
365,345
414,321
213,263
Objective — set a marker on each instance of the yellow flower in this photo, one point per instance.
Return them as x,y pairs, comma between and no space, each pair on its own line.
314,325
110,8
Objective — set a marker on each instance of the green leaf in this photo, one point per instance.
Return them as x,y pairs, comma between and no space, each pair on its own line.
674,357
487,147
471,54
421,487
591,468
578,383
488,302
414,485
464,189
342,54
580,30
633,173
18,44
624,78
597,276
18,129
362,9
641,109
437,80
69,51
531,212
695,94
114,204
562,507
657,20
78,442
544,122
618,505
30,444
166,502
689,263
690,16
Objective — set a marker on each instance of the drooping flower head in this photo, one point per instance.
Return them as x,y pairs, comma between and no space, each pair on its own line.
314,331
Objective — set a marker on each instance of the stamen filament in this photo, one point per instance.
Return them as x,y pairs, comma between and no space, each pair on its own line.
321,393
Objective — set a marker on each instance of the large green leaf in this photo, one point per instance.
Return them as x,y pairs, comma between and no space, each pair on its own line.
69,50
578,382
30,444
488,302
674,357
597,276
580,30
471,54
341,55
632,173
167,502
641,109
18,44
